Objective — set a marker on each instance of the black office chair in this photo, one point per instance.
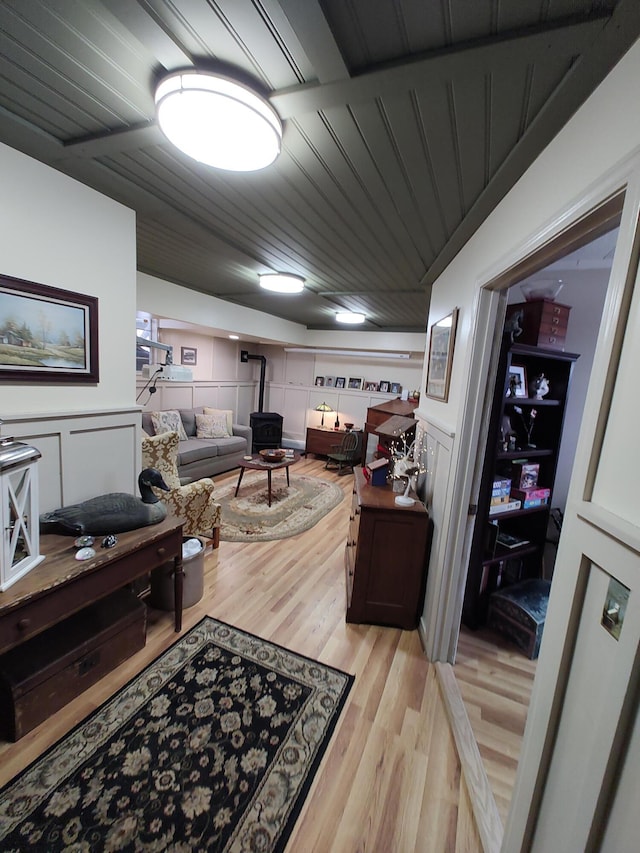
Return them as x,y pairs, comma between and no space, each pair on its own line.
345,455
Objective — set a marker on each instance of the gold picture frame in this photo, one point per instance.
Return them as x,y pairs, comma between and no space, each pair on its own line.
441,345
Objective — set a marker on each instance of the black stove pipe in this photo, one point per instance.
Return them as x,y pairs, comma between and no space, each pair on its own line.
244,357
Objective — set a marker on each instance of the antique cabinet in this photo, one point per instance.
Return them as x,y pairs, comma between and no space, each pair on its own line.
322,441
385,557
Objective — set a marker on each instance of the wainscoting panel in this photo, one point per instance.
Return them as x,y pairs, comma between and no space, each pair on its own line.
437,447
84,454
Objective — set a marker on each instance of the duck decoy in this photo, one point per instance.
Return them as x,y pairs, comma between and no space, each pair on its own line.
111,513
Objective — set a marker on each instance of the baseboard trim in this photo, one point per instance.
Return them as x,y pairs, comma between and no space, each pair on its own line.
483,802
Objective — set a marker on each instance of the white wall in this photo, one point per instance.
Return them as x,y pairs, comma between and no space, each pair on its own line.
55,231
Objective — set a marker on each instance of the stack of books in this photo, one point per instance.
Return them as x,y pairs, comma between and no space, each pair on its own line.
531,497
500,492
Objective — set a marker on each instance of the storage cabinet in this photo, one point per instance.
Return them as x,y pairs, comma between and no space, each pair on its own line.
385,557
508,543
322,441
543,322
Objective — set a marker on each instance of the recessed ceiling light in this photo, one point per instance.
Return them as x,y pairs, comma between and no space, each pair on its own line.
218,121
351,317
234,337
281,282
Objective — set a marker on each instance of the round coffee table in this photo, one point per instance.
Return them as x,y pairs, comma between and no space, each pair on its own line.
259,463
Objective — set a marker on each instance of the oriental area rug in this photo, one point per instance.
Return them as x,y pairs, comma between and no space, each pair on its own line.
294,509
213,747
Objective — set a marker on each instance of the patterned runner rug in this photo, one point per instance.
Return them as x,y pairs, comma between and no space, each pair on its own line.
249,518
213,747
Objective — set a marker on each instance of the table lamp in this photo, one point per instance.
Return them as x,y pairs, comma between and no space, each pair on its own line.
323,407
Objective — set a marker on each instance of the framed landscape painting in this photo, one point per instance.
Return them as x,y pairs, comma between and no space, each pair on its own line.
441,343
47,334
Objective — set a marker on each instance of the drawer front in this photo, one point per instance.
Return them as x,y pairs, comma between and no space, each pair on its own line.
551,311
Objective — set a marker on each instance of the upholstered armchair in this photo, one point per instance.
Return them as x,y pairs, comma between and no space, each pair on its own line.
193,502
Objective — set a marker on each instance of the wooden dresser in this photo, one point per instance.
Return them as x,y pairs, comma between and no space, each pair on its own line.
385,557
321,441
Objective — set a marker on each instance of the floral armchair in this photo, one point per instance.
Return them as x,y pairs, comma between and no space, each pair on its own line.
193,502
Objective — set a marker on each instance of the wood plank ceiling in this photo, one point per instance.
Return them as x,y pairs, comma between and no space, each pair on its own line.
405,123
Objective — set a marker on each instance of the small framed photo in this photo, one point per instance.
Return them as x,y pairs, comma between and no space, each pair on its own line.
441,345
330,381
396,388
340,380
320,380
384,386
371,386
517,381
188,355
355,383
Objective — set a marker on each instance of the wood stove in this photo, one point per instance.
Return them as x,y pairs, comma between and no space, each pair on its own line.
266,426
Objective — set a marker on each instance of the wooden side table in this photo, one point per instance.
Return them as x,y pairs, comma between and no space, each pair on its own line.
321,441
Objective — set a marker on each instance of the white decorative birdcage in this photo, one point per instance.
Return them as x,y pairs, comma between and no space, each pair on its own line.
18,511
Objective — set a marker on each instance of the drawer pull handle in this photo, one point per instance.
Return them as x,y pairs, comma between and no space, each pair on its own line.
552,340
556,310
162,552
555,320
23,624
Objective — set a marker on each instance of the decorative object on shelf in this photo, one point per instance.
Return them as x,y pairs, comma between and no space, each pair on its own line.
324,408
337,423
348,427
405,467
513,324
355,383
541,289
376,472
320,381
517,381
441,345
371,386
527,422
384,386
340,380
539,388
329,381
20,544
115,511
62,348
396,388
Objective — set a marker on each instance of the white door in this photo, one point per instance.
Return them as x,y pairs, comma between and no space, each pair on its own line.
584,705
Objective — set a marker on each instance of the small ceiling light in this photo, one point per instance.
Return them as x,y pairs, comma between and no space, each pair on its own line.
234,337
218,121
351,317
281,282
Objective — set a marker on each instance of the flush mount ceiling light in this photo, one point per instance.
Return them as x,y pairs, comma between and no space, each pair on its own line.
281,282
351,317
218,121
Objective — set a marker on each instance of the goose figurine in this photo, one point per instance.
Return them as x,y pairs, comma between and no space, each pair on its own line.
111,513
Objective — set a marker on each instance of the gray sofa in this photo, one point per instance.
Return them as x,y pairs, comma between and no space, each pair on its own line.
205,457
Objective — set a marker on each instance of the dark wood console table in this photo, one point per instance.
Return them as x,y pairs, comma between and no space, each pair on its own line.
321,441
61,585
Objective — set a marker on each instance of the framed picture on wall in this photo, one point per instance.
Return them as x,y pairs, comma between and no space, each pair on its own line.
441,344
517,381
188,355
47,334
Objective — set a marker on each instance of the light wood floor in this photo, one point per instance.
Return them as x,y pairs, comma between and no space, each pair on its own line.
391,778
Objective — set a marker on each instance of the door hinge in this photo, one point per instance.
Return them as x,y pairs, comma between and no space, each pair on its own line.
473,509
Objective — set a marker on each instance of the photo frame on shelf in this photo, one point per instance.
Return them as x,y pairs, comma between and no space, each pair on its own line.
329,381
371,386
340,380
320,380
396,388
47,334
517,381
384,386
355,383
188,355
441,346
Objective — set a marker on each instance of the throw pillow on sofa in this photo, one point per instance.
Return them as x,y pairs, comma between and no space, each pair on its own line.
169,421
229,415
211,426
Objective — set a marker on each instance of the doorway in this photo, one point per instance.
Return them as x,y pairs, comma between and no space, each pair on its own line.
493,676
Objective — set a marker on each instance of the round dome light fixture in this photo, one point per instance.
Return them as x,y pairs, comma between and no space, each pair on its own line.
218,121
279,282
353,318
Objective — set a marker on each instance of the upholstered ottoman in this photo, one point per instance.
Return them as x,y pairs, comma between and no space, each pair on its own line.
519,612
